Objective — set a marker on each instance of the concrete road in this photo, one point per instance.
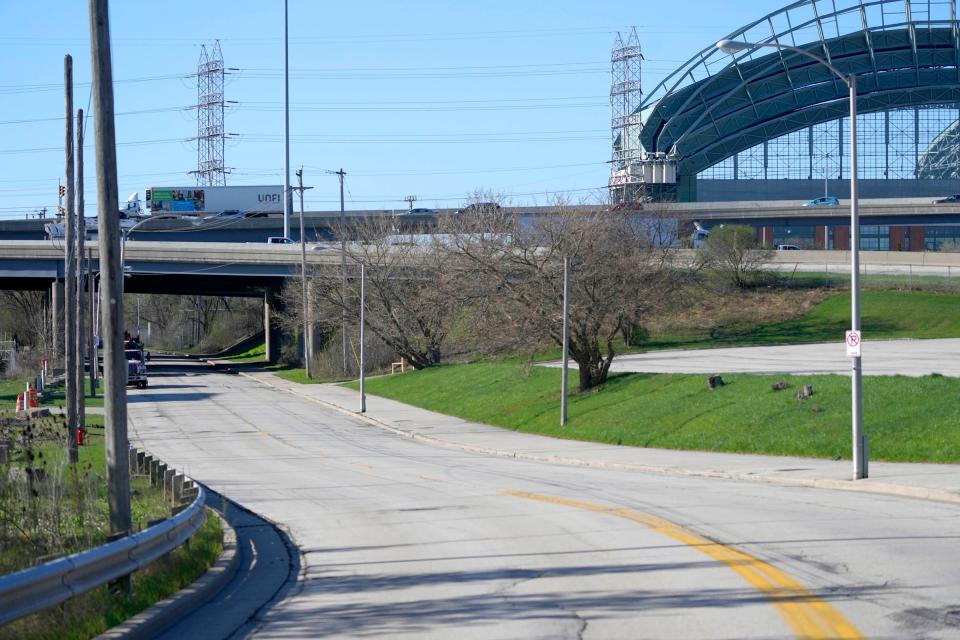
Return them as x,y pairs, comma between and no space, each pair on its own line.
405,540
880,358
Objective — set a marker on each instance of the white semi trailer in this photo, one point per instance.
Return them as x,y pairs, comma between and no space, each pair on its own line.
245,199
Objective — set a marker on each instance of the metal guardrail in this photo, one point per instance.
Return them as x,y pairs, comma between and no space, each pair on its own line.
36,588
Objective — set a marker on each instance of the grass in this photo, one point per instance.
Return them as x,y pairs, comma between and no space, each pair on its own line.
906,418
295,374
53,395
94,612
885,315
69,513
256,353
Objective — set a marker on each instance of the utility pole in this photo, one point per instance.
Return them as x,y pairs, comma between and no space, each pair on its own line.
307,346
79,251
70,272
91,339
410,200
111,273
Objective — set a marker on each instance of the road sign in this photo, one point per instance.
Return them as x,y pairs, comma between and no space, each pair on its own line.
853,344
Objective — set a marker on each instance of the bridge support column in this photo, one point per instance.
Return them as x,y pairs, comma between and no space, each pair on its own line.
56,322
272,334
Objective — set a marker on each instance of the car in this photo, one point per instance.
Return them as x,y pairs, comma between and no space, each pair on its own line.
787,247
480,207
279,240
825,201
953,198
229,214
421,211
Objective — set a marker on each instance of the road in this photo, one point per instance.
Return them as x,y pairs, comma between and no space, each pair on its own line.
880,358
404,540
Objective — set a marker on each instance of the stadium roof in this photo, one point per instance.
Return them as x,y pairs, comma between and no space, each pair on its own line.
904,53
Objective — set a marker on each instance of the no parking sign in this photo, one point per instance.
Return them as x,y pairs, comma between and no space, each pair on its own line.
853,344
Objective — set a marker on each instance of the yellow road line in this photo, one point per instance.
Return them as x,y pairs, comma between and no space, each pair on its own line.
807,615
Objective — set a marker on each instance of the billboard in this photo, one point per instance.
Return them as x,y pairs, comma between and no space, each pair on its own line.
174,200
245,198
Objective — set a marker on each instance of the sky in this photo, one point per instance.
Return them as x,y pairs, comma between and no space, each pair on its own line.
434,98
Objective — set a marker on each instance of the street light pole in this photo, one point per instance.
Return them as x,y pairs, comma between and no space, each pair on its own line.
565,377
363,319
859,453
860,463
287,205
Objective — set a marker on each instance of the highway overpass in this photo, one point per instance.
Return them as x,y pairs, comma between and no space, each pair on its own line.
320,225
247,269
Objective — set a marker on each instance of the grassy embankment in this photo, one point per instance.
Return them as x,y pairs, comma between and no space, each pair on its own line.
255,355
907,419
885,315
67,512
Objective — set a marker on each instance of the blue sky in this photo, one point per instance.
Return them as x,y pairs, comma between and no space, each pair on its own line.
434,98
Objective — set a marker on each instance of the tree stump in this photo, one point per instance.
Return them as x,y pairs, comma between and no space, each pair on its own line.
714,381
779,386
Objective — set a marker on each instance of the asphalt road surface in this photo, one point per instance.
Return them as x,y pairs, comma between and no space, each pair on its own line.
880,358
405,540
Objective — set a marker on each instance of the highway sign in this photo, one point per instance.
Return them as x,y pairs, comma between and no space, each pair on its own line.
853,344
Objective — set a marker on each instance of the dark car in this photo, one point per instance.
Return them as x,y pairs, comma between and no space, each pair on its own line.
480,207
954,198
421,211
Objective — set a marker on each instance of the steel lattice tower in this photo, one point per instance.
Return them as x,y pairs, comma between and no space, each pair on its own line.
625,97
210,106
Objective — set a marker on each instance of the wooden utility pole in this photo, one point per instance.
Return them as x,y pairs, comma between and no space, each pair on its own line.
70,272
111,273
305,306
79,252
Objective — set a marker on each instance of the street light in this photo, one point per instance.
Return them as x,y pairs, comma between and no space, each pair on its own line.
735,46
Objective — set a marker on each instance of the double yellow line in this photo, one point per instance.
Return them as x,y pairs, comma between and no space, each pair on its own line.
808,615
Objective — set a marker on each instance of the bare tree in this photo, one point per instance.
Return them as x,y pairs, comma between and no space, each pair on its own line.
24,313
406,306
732,251
509,270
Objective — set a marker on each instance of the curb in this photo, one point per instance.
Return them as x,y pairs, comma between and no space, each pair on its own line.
879,488
157,617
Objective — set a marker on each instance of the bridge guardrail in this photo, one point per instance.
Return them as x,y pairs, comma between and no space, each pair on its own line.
30,590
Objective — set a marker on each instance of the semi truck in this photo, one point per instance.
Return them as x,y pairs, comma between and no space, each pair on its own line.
192,200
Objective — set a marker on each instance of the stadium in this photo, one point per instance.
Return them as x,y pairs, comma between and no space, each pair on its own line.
768,124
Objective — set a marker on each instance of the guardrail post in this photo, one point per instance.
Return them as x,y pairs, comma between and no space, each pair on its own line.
178,488
133,461
147,461
168,483
141,456
154,470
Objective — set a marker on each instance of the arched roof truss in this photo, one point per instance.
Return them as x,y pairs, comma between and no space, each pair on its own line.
903,53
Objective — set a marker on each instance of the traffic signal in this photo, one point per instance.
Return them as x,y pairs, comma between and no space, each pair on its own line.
62,191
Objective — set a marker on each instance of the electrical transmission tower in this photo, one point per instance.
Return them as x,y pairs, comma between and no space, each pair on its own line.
210,132
625,97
